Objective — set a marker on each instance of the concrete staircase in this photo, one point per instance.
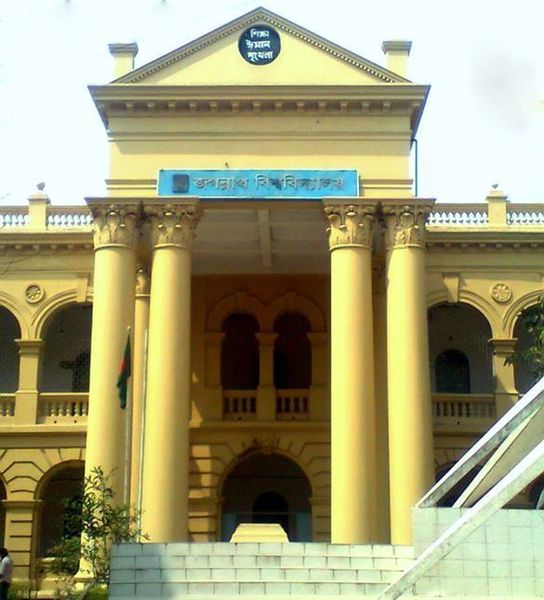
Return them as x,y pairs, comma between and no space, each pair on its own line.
251,570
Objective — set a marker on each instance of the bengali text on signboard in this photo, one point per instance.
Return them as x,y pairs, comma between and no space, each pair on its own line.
253,183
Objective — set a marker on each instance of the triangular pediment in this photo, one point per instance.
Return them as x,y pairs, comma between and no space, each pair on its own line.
304,59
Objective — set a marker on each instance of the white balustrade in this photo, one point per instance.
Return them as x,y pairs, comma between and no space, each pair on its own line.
13,217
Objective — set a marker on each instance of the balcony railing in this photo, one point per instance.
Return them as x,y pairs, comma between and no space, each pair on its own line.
292,405
7,405
68,407
239,405
456,410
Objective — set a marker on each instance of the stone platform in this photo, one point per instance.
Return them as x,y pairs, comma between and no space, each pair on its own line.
254,570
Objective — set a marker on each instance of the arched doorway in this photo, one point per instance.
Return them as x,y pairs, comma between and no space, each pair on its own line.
267,488
65,485
9,351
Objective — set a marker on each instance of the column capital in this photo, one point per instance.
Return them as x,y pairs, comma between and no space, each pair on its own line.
29,346
405,222
173,224
143,281
350,224
115,223
503,346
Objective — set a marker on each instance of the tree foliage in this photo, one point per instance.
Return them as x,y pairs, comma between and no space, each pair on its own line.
94,521
533,356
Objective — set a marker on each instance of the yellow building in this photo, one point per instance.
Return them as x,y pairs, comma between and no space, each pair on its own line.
312,342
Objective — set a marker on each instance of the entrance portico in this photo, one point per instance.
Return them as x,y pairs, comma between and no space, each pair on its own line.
263,161
167,226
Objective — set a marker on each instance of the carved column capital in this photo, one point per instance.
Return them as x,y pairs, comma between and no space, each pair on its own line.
143,281
349,224
115,224
173,224
405,223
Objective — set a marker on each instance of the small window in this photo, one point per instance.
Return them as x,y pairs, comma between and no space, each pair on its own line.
452,372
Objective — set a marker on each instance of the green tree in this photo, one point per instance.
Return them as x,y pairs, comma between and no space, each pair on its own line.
100,522
533,356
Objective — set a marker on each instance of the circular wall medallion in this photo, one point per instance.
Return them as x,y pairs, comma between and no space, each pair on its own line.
501,293
259,45
34,293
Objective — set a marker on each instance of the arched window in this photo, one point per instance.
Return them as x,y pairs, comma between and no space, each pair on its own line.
524,376
9,351
65,485
459,351
292,352
452,372
66,354
240,353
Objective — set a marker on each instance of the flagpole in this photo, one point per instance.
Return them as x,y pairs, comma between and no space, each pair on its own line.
128,439
142,434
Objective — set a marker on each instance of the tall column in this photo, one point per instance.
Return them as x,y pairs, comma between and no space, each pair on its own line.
353,474
115,230
506,394
27,396
411,459
165,500
266,393
141,324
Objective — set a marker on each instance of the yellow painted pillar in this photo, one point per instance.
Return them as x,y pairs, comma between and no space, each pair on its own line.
411,462
115,227
27,396
353,474
266,393
506,394
165,499
141,324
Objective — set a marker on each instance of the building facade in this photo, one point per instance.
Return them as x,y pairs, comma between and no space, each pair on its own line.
312,343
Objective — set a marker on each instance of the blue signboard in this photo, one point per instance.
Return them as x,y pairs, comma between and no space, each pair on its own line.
258,184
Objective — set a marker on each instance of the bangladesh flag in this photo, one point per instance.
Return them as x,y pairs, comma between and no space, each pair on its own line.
124,374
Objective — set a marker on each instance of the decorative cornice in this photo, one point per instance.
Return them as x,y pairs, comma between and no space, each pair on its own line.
339,100
115,224
261,15
173,224
405,223
349,224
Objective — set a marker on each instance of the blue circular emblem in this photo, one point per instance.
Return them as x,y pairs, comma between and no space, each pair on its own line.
259,45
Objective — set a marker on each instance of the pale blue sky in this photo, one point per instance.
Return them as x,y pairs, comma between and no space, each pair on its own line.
484,121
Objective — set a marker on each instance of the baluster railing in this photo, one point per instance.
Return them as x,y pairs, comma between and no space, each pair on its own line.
292,405
69,407
7,405
239,405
